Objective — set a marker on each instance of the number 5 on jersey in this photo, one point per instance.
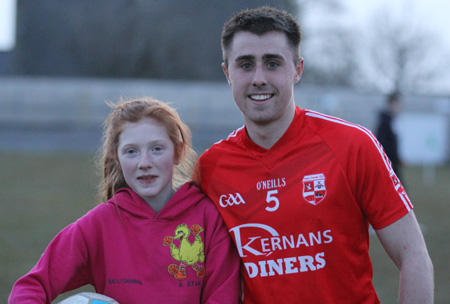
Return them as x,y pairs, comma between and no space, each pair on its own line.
271,199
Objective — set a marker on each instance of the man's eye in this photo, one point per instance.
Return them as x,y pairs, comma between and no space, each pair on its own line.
273,64
246,66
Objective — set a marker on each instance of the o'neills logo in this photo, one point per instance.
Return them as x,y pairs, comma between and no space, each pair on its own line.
257,242
271,184
314,189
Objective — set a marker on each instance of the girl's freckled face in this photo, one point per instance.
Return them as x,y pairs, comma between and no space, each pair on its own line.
147,158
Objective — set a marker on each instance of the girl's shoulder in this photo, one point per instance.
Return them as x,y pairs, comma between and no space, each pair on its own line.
100,214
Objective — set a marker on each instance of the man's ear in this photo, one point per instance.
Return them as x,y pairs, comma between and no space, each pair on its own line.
225,71
298,70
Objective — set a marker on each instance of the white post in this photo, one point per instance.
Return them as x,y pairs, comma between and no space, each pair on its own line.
8,15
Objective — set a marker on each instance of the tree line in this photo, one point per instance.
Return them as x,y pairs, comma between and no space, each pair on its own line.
174,39
180,39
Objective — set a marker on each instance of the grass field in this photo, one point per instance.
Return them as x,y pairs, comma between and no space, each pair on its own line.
41,194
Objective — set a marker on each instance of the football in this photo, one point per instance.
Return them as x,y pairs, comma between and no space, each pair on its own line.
88,298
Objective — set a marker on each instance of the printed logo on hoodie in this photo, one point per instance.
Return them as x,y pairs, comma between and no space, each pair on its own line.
187,253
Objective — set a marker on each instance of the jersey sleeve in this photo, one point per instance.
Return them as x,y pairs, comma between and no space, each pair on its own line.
377,189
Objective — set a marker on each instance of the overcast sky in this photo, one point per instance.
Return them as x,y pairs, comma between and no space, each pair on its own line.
357,15
432,14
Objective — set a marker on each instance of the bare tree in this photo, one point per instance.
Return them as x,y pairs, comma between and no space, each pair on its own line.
328,44
401,55
175,39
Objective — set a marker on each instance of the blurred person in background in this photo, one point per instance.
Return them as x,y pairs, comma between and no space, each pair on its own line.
386,132
298,189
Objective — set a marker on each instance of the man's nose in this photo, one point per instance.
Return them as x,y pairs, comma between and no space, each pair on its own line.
259,77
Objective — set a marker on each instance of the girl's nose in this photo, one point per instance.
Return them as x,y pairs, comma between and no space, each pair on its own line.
146,161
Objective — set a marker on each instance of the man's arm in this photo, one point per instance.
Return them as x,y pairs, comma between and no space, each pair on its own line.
404,243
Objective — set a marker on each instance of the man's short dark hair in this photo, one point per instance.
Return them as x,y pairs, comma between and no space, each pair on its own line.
260,21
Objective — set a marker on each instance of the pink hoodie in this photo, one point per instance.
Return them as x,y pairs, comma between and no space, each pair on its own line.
124,251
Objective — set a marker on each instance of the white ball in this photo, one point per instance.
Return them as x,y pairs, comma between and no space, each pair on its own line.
88,298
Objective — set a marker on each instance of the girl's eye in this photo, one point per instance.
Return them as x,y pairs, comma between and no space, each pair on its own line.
130,151
157,149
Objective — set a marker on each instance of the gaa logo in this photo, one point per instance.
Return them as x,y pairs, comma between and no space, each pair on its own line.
230,200
314,189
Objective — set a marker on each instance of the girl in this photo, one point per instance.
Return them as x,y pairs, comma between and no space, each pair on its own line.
158,239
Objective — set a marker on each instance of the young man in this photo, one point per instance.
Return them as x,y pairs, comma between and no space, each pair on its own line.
298,189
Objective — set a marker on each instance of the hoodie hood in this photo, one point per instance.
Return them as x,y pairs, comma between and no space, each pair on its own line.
185,198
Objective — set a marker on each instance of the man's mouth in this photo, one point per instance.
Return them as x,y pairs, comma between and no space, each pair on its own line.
260,97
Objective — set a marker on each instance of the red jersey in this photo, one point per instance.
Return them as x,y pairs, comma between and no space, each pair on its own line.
299,212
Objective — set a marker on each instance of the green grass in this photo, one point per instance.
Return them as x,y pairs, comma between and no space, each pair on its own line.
41,194
432,209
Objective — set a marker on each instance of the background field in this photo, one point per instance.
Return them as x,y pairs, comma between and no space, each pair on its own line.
41,194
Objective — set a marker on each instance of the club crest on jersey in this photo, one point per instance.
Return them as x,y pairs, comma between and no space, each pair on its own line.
397,184
314,189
